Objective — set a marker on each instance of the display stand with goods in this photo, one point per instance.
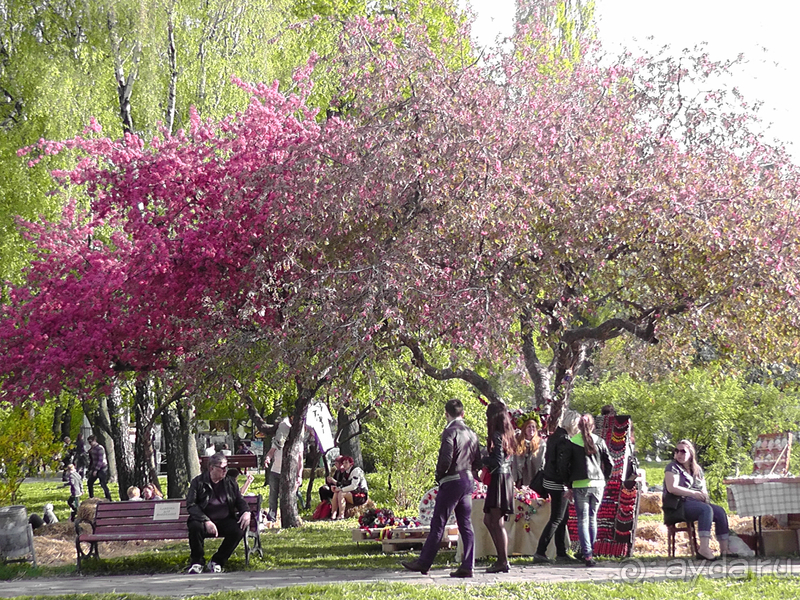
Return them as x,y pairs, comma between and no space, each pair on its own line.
619,508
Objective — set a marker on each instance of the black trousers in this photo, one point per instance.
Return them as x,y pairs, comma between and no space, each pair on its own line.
556,526
102,477
73,502
228,529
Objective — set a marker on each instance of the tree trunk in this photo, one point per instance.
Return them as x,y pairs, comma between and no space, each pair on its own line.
175,447
119,415
293,446
292,453
185,414
57,415
124,84
99,419
66,418
144,412
173,69
349,436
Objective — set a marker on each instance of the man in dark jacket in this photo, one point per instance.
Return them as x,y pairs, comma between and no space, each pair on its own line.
456,471
216,508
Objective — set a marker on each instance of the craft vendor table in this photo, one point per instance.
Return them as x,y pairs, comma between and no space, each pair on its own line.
522,540
759,496
393,539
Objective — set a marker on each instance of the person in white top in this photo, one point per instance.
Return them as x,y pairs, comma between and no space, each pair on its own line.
275,456
354,491
210,449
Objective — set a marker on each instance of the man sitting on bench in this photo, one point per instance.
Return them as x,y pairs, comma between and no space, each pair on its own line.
216,508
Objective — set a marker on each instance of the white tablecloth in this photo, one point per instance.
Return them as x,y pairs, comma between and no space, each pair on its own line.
758,497
524,528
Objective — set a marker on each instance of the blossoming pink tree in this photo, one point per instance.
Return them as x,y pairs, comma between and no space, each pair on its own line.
552,206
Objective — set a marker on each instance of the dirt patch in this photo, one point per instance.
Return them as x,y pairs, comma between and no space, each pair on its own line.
58,551
55,544
651,536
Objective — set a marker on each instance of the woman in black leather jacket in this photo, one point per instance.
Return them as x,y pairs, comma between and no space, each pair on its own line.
555,484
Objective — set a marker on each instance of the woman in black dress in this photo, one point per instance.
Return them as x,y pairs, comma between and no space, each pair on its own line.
500,492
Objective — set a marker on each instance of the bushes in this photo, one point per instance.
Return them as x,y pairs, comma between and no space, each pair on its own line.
26,445
404,440
721,414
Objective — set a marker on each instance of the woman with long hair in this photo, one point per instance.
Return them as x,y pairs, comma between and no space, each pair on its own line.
529,451
352,490
555,484
499,501
685,482
590,467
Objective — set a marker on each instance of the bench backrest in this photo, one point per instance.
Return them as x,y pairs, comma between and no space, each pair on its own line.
153,515
141,516
235,461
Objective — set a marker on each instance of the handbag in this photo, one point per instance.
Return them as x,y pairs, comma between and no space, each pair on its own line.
537,484
673,508
486,476
323,511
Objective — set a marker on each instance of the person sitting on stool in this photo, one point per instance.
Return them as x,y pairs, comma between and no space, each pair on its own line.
216,508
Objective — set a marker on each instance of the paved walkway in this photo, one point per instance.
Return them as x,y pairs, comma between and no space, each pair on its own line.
180,585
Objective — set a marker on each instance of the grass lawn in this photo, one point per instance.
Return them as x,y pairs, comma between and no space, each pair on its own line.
318,544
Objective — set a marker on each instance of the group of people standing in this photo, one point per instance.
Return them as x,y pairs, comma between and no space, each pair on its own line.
77,462
576,466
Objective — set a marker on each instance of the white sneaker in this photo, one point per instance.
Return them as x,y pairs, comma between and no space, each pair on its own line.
213,567
195,569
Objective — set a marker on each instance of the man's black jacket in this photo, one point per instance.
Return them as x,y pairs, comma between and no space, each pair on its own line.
459,450
200,491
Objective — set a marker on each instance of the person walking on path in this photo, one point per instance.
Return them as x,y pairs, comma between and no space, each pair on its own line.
98,467
456,470
216,508
500,492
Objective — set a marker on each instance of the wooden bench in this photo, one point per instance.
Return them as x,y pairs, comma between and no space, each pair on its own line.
235,461
151,520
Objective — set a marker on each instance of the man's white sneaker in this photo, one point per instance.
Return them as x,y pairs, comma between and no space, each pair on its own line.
195,569
213,567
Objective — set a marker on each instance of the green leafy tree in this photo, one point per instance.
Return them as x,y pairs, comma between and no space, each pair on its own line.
718,411
26,445
404,436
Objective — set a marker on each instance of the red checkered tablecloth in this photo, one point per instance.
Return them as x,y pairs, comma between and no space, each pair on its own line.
757,497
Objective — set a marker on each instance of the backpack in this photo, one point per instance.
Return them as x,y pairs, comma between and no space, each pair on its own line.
323,511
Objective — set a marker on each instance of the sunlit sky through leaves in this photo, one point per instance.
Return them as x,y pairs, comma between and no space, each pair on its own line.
767,33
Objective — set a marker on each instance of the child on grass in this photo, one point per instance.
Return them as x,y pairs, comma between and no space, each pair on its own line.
75,483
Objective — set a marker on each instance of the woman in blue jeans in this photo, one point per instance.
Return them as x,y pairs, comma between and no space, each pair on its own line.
589,468
684,478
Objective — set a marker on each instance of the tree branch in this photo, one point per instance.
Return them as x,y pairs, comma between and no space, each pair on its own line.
468,375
